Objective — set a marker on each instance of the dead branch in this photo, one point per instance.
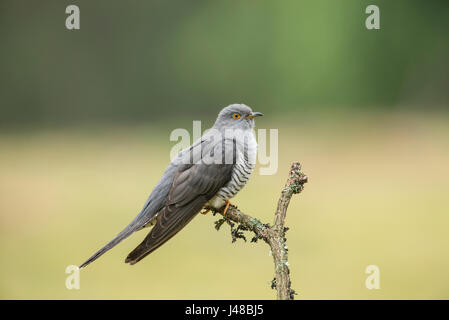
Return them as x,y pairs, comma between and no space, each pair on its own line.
273,235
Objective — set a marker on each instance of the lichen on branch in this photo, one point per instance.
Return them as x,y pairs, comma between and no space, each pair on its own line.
273,235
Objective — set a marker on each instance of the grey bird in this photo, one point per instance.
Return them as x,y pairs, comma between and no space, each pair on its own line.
207,174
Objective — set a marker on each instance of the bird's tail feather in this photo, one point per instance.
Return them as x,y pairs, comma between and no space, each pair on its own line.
121,236
164,230
145,249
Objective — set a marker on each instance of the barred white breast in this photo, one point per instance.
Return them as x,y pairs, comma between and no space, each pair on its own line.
243,167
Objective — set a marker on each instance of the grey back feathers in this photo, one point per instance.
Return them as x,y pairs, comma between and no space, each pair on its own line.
190,182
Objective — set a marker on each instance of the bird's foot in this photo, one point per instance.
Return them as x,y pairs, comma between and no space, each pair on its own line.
226,208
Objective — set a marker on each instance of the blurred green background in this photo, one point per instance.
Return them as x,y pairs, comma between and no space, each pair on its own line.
85,119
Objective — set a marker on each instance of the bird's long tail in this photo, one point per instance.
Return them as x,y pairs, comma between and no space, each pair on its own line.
135,225
172,220
121,236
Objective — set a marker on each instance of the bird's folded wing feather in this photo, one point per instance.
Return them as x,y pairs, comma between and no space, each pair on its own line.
192,187
191,177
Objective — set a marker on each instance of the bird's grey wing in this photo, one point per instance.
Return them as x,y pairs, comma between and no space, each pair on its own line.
193,186
157,199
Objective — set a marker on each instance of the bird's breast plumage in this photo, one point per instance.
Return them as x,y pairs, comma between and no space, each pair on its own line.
242,169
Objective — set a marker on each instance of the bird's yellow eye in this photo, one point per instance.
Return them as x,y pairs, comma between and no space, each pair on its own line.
236,116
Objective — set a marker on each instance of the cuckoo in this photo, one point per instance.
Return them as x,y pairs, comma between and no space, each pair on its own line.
205,175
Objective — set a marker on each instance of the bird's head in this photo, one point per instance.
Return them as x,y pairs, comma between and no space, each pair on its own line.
236,116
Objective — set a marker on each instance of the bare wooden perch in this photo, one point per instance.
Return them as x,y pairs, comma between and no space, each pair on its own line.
273,235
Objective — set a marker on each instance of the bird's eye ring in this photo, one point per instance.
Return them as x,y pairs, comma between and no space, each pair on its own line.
236,116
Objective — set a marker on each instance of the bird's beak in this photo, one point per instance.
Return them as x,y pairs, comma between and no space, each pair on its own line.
254,114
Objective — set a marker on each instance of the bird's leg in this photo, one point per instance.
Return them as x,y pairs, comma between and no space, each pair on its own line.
226,208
